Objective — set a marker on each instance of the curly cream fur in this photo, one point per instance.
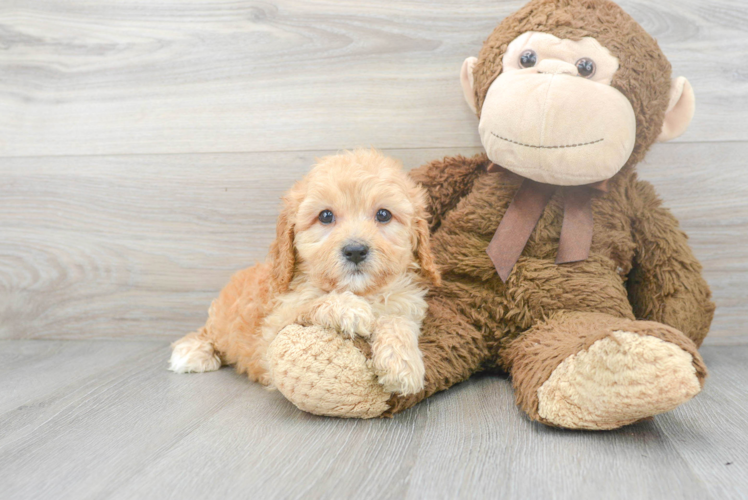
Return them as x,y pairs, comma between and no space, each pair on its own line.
307,280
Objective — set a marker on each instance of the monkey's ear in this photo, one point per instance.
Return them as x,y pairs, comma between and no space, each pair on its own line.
679,111
466,78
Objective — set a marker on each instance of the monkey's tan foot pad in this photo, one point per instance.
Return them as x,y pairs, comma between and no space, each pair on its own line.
617,381
323,373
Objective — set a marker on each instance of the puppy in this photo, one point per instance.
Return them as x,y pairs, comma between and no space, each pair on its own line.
351,253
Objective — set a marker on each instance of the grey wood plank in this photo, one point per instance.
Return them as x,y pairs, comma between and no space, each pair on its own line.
280,452
125,76
79,440
711,433
135,430
477,444
137,246
34,369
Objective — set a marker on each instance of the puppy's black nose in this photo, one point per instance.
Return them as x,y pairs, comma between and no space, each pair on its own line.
355,253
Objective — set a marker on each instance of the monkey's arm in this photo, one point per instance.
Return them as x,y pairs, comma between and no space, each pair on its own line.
665,284
447,181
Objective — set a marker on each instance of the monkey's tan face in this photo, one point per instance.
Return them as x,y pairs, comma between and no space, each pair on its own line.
552,116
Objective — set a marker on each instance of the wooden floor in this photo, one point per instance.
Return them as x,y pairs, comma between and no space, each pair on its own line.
101,420
143,149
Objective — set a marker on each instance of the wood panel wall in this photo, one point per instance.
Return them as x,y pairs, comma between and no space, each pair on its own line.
144,144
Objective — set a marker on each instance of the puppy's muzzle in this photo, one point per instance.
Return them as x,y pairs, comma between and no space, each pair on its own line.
355,252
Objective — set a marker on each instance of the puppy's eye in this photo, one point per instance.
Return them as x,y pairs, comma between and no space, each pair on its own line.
326,216
384,215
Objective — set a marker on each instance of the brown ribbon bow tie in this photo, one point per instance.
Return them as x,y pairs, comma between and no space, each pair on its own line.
523,214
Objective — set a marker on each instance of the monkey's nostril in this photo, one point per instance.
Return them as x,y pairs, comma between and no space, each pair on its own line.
355,253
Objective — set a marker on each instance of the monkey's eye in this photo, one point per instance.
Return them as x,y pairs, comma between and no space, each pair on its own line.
586,67
528,59
384,215
326,216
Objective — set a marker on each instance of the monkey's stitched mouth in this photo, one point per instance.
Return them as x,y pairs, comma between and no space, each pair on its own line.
547,147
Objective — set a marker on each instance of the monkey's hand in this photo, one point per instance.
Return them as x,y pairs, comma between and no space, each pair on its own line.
346,312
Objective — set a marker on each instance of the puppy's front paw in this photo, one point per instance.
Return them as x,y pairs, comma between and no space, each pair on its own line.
401,372
347,313
356,320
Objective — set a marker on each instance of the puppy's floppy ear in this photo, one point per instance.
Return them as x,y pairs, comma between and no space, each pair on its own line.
423,239
423,251
282,252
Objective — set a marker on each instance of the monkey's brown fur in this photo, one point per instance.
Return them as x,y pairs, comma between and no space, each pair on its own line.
594,344
640,266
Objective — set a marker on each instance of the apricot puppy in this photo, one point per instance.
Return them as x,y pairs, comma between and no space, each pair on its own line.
352,254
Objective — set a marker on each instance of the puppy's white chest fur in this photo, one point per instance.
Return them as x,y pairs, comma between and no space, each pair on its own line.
402,297
405,298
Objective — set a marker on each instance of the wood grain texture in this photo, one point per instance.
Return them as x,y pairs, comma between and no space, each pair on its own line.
130,429
138,246
134,246
168,76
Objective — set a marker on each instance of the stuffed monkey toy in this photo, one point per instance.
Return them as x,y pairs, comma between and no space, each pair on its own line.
559,265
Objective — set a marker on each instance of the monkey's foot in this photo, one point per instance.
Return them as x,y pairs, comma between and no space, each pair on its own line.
323,373
616,381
